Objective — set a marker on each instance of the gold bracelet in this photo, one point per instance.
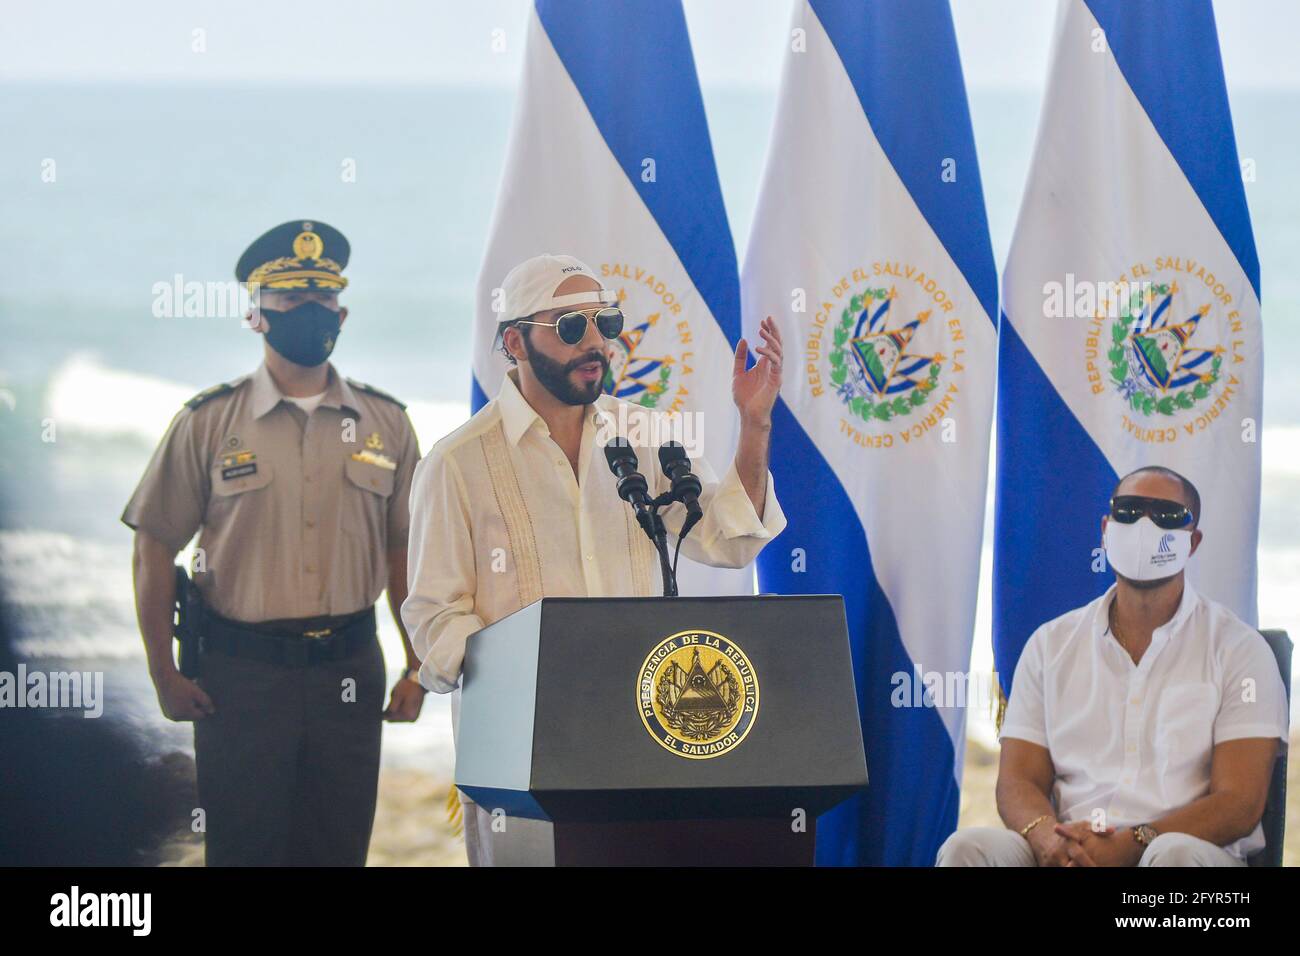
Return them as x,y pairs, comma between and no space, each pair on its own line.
1033,823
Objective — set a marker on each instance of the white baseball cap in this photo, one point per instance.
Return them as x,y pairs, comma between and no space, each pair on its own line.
530,287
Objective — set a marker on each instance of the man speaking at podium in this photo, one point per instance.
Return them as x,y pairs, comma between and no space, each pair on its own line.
519,503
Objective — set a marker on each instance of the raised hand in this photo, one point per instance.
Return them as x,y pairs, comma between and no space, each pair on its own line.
755,390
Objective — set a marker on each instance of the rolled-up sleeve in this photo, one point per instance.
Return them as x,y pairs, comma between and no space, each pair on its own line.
439,609
731,534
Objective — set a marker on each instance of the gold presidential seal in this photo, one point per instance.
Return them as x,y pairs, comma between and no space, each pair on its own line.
698,694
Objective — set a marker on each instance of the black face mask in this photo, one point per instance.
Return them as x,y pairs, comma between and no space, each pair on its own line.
305,335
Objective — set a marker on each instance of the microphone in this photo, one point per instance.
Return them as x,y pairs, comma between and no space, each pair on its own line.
634,489
686,487
632,486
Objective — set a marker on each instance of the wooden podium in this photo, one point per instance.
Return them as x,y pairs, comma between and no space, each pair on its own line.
660,731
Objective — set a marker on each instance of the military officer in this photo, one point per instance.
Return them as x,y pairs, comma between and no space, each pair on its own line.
297,481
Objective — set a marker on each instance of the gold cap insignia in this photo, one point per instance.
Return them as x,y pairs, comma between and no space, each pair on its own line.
308,245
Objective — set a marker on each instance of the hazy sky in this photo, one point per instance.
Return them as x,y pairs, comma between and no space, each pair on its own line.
737,42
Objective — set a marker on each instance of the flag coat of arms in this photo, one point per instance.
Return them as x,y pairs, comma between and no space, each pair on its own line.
870,248
610,161
1131,321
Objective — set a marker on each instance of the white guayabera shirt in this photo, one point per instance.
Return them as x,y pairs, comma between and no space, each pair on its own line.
1134,741
499,520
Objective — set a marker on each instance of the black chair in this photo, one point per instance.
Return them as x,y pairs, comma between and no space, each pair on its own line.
1274,821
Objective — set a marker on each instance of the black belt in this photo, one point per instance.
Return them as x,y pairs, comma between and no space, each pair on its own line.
293,643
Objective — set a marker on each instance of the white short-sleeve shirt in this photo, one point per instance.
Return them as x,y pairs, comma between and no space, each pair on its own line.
1135,740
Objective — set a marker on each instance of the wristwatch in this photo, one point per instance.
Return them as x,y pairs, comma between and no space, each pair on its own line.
413,674
1144,833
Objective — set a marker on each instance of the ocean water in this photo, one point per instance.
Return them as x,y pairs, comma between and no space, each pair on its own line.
150,182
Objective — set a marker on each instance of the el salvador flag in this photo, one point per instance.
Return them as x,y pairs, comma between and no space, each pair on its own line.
610,161
1134,189
870,247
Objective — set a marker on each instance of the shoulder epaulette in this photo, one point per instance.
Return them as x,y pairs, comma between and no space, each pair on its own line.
208,394
377,392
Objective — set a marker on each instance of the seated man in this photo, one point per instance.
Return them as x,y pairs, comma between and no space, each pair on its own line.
1142,727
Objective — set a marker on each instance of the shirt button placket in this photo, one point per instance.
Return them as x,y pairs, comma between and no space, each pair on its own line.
587,545
311,492
1132,726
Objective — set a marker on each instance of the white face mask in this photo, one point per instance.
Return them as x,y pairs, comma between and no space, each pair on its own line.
1143,551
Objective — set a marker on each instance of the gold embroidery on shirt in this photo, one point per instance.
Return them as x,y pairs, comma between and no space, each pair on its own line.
640,557
514,511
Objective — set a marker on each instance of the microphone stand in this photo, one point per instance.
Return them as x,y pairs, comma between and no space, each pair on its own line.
653,525
632,489
660,538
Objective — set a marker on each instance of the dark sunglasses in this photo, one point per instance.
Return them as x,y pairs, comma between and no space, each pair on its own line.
572,326
1170,515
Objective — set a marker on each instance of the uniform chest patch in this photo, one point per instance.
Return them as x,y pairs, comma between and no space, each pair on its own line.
375,458
238,464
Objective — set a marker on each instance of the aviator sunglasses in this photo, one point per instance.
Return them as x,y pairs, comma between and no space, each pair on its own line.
572,326
1170,515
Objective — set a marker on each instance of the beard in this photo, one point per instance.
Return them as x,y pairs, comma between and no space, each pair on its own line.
555,376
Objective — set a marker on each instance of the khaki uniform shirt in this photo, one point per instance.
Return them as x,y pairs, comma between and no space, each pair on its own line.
295,513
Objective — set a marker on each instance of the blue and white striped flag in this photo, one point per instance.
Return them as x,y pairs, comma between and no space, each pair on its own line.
870,247
1131,328
610,161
